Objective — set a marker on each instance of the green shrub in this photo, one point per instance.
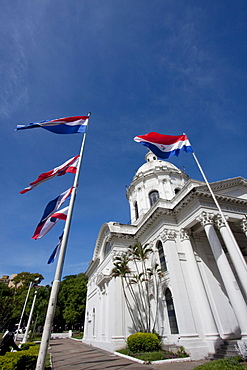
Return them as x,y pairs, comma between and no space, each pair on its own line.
143,342
181,353
23,360
27,345
231,363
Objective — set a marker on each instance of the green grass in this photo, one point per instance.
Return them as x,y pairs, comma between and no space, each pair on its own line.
150,356
231,363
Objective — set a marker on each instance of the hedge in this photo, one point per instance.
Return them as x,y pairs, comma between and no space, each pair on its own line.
21,360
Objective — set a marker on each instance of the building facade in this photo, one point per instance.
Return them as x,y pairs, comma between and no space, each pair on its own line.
8,280
202,292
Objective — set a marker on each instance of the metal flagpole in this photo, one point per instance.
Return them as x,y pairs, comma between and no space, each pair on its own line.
32,283
24,340
56,282
23,310
239,268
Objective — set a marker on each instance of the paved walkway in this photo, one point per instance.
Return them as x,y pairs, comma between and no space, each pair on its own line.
71,354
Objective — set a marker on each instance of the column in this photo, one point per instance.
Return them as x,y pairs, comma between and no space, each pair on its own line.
234,252
184,314
232,288
210,329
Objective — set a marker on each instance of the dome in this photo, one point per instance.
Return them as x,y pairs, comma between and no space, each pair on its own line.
155,179
152,162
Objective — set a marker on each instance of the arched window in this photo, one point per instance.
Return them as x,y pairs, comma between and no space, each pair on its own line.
161,256
171,312
177,190
136,210
153,196
107,248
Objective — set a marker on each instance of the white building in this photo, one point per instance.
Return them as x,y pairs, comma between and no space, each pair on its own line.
202,296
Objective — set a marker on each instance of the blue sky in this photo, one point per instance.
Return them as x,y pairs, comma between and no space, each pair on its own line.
139,66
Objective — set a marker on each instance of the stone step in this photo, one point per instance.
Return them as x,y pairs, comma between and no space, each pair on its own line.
227,349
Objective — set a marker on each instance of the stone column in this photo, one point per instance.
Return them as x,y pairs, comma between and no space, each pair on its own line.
243,224
210,329
234,252
232,288
184,314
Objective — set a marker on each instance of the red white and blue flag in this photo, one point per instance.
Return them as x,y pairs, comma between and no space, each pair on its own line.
69,166
165,146
66,125
56,250
51,215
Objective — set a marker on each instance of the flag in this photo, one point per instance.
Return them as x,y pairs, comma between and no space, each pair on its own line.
56,250
165,146
68,166
48,224
52,207
67,125
73,167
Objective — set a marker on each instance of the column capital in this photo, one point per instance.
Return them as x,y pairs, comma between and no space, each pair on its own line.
184,234
219,221
168,234
243,225
206,218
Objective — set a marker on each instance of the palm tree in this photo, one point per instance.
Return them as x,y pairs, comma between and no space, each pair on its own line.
140,310
139,253
121,269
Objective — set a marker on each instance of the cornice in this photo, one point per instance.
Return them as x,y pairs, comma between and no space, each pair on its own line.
148,221
201,193
227,183
92,267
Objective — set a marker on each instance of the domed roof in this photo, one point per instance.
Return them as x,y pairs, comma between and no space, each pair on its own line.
152,162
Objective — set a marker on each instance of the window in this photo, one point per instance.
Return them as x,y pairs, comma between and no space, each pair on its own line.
153,196
161,256
177,190
93,321
136,210
107,248
171,312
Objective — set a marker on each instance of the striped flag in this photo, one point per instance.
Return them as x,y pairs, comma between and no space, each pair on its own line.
66,125
165,146
47,225
56,250
68,166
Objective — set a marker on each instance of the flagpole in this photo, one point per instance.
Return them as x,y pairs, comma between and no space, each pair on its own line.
57,278
240,267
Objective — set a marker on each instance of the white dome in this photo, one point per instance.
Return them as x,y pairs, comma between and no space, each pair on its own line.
153,162
154,179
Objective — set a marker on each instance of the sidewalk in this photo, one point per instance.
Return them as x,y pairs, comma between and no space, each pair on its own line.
71,354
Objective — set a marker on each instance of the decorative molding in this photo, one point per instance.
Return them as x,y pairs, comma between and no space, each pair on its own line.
168,234
243,225
184,234
206,218
115,235
219,221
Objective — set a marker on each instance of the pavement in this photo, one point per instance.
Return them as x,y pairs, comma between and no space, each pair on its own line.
73,354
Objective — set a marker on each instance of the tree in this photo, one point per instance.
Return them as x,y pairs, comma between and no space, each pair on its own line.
6,305
21,285
137,283
70,309
23,279
71,303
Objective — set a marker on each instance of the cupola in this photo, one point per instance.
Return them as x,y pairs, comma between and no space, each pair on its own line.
154,179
